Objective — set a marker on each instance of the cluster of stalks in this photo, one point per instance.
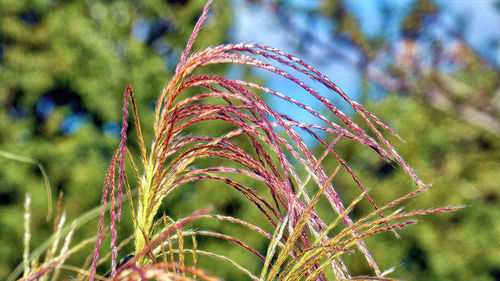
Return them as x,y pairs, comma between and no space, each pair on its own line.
304,244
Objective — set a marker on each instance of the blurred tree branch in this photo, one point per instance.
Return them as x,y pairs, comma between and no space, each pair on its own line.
429,59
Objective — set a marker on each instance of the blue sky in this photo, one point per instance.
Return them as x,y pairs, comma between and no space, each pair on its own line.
257,23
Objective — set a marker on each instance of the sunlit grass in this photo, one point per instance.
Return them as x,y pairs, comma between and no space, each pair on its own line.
304,245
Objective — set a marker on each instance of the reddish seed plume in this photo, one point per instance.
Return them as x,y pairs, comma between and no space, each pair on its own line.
128,93
109,174
196,30
109,190
274,159
112,210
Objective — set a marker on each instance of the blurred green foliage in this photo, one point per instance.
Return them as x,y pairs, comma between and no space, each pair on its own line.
462,163
64,66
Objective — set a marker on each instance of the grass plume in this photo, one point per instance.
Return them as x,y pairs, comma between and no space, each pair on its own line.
304,244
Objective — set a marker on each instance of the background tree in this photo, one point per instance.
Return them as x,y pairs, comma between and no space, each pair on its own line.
63,69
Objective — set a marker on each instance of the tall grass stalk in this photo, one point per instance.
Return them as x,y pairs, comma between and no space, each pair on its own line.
27,235
304,244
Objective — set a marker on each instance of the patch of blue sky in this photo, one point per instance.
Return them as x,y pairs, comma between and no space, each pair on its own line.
111,129
140,30
369,15
483,22
259,24
160,46
73,123
306,4
254,24
270,32
45,106
18,112
235,72
479,16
